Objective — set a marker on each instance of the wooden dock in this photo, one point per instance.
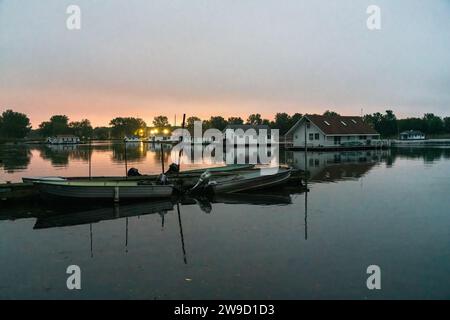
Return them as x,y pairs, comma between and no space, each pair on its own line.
17,191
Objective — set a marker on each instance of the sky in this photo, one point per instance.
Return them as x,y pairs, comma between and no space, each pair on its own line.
144,58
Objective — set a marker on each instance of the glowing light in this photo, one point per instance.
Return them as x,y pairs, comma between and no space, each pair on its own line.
166,131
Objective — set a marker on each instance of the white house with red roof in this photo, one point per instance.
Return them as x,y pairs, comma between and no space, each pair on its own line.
332,131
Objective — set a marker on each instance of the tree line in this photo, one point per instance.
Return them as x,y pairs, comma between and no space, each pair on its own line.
389,126
15,125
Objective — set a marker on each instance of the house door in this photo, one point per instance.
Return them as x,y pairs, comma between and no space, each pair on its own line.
337,140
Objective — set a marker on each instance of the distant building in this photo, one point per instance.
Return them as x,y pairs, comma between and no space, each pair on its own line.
63,139
412,135
245,133
331,132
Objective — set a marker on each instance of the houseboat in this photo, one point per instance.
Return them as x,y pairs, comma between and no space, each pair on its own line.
131,139
63,139
334,132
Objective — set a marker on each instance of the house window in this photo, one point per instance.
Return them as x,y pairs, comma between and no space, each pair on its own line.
311,136
362,137
316,136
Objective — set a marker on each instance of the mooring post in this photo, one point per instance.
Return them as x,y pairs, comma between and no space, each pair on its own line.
126,161
116,194
90,160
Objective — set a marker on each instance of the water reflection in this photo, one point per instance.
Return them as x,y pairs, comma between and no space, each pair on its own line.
61,155
58,215
335,166
14,158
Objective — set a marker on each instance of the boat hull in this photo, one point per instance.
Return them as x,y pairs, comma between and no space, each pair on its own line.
106,192
254,183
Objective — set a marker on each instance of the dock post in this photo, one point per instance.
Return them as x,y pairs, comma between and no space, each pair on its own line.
116,194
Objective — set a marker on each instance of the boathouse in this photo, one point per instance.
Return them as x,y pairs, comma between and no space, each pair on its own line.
412,135
331,132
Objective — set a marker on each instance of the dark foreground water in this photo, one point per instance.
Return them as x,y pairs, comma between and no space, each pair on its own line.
390,209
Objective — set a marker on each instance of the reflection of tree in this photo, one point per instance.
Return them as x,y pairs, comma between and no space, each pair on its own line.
58,156
14,158
429,155
134,152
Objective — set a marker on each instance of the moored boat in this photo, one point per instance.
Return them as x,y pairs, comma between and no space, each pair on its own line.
105,190
253,180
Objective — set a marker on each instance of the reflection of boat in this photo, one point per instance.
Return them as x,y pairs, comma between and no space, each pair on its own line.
114,190
96,215
251,180
263,199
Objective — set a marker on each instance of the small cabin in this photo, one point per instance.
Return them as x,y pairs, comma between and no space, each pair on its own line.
63,139
412,135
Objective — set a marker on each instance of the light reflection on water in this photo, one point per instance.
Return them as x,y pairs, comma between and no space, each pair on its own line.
388,208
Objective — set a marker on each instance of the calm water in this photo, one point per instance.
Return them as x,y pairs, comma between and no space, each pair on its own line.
389,208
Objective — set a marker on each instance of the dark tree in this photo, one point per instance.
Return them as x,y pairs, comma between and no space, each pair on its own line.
102,133
161,122
190,122
58,124
235,120
121,127
82,129
330,113
217,122
14,125
254,119
282,122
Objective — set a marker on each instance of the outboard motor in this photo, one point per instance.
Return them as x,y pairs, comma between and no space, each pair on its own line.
162,179
133,172
202,181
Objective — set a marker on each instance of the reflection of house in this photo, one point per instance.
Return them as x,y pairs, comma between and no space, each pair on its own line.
412,135
246,134
332,166
63,139
331,132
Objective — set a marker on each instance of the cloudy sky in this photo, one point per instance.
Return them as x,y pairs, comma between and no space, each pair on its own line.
228,57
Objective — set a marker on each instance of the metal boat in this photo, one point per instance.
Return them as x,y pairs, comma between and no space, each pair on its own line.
114,190
254,180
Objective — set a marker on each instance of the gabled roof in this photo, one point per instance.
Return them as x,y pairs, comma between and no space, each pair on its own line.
337,125
412,132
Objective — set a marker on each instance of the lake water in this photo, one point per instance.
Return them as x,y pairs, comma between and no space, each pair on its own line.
388,208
